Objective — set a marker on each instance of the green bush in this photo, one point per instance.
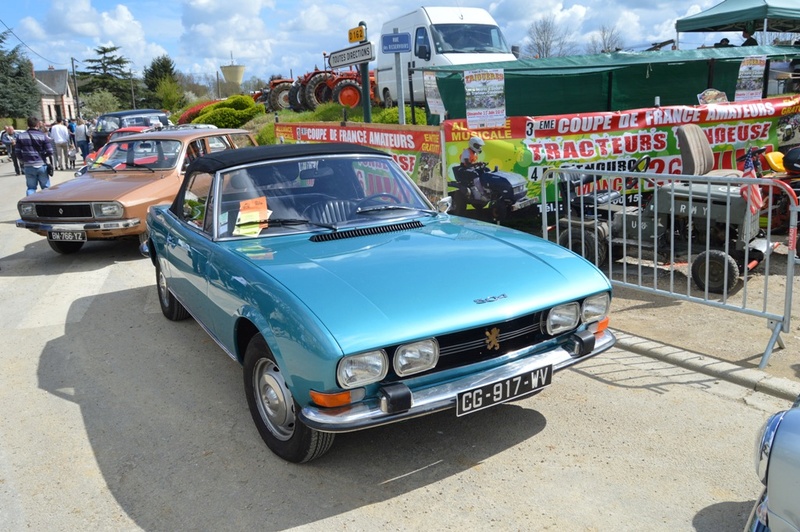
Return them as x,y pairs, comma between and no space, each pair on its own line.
392,116
228,117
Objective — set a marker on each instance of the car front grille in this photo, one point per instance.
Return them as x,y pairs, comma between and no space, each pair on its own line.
484,343
64,210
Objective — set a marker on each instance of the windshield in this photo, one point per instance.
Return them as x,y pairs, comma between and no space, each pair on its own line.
312,193
468,39
126,154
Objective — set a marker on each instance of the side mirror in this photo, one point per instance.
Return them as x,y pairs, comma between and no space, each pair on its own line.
82,170
424,52
444,204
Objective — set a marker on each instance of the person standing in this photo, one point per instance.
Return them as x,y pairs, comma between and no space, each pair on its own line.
749,40
9,139
35,152
82,136
60,135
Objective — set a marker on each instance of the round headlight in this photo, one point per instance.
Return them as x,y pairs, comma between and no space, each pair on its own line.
361,369
563,318
764,441
416,357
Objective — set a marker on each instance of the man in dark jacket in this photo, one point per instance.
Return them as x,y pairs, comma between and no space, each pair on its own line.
35,151
9,138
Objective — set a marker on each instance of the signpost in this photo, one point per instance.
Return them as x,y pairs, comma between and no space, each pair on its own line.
361,53
397,43
357,34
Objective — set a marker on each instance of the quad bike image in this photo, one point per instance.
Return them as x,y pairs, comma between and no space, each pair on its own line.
502,192
709,224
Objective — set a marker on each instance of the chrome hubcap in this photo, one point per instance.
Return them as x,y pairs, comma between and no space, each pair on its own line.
275,403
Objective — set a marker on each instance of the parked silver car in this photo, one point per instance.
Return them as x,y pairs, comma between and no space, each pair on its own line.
777,460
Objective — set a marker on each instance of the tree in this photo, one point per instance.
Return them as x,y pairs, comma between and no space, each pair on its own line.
19,96
549,39
108,72
604,41
191,84
99,102
161,67
169,93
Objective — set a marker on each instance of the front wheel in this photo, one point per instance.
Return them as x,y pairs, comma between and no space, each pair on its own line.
719,268
170,306
65,248
459,203
274,410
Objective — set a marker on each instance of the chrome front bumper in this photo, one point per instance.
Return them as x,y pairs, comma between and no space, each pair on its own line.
79,226
426,401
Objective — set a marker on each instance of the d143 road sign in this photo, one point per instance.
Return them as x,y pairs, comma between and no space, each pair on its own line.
363,53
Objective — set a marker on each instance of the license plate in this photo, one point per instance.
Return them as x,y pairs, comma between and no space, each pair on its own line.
67,236
521,204
502,391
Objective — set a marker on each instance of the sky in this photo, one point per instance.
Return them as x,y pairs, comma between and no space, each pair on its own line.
288,37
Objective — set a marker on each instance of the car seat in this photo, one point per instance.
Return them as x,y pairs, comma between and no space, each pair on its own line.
696,155
331,211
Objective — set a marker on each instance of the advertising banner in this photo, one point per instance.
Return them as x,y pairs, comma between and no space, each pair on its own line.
416,149
615,141
485,98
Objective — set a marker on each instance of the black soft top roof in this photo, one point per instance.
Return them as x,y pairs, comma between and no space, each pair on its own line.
214,162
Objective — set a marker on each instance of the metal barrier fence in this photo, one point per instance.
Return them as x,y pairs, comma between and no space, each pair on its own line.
686,237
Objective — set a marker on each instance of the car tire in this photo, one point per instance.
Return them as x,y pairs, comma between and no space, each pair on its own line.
387,99
170,307
274,410
65,248
718,263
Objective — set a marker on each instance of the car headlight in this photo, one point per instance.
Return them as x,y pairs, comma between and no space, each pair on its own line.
361,369
563,318
27,209
107,210
764,440
416,357
595,308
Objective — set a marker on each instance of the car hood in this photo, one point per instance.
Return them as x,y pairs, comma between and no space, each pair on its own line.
445,276
102,187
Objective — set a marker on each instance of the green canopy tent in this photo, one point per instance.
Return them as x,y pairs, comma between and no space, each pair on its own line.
736,15
608,82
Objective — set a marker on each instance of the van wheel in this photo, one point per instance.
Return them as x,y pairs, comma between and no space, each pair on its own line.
387,99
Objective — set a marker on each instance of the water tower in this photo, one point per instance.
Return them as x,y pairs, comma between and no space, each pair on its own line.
233,73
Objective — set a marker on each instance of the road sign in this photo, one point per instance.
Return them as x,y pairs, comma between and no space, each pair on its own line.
395,43
363,53
357,34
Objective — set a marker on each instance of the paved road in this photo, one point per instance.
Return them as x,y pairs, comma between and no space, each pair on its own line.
113,418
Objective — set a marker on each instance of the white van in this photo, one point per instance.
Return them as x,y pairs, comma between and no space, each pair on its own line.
439,36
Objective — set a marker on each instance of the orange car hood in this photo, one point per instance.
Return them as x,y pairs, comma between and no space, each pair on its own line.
108,186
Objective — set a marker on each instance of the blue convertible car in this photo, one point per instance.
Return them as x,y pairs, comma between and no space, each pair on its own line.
352,302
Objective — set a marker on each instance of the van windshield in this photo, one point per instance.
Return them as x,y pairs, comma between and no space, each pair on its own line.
468,39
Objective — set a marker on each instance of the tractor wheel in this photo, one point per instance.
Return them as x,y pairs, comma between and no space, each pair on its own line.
317,91
295,102
583,242
279,96
719,265
347,93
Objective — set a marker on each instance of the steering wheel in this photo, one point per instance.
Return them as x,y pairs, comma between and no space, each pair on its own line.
373,197
641,165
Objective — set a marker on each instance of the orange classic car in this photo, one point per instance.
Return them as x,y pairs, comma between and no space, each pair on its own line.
128,175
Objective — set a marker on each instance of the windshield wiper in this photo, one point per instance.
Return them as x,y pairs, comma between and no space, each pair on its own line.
375,208
137,165
287,222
